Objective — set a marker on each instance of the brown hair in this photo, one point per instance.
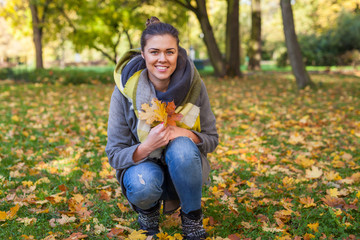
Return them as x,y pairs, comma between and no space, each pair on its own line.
155,27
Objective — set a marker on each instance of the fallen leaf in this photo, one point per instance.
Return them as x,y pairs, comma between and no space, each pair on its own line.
314,226
65,219
115,232
137,235
314,173
76,236
307,202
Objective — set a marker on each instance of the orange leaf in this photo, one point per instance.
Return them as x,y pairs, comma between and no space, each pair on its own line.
122,207
333,201
172,119
115,232
63,188
76,236
235,236
170,108
308,202
2,216
13,212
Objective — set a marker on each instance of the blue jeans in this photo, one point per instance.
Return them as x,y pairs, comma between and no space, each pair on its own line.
181,178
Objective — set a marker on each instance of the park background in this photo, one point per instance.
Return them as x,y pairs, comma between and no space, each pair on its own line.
286,103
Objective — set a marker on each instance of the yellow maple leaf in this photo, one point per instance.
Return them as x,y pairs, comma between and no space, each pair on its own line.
358,194
333,192
332,176
304,162
162,236
314,173
147,114
137,235
159,112
2,216
314,226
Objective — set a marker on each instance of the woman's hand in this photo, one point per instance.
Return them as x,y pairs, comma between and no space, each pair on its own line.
182,132
159,136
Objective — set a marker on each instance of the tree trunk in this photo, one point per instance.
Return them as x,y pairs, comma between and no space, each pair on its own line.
37,35
255,38
293,47
232,39
215,56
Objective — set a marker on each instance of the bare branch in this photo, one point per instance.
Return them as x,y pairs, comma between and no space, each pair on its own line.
67,18
46,7
104,53
186,5
128,37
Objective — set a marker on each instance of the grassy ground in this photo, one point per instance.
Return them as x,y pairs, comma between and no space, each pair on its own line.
287,166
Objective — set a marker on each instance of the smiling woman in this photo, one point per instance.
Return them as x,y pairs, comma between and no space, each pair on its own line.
160,54
161,163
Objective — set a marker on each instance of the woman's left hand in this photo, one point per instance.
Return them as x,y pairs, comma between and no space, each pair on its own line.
182,132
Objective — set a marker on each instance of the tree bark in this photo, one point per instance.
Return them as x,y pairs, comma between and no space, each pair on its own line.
215,55
293,47
232,39
255,38
214,52
37,35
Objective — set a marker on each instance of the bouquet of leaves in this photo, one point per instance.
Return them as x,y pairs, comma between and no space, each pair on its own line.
159,112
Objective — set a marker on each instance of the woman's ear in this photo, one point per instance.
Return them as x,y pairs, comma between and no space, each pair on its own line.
142,54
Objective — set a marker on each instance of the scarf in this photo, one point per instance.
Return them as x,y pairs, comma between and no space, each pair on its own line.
131,78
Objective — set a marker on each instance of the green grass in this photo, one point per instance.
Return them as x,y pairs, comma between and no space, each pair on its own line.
271,137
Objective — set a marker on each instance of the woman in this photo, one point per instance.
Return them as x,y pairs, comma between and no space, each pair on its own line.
163,163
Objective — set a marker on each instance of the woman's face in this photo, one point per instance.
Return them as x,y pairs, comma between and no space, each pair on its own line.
160,54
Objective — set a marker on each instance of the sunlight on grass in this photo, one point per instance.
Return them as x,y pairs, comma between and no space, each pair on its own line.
287,166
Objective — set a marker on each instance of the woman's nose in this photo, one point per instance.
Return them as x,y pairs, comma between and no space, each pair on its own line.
162,57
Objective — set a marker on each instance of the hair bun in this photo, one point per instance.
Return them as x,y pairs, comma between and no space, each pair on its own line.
152,20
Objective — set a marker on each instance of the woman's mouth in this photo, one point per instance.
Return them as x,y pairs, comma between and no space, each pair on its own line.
161,68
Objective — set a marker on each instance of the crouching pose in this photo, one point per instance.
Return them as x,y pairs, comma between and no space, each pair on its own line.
165,163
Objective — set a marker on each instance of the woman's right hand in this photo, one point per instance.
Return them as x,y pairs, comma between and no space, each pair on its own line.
159,136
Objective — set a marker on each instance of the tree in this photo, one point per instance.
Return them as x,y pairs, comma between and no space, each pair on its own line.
293,47
101,25
39,11
17,13
255,38
222,66
232,53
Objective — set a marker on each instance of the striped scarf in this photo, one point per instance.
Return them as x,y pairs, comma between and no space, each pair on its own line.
131,77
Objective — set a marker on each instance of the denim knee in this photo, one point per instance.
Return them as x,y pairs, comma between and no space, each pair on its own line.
184,152
143,184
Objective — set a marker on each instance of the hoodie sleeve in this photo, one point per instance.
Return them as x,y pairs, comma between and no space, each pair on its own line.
208,135
121,143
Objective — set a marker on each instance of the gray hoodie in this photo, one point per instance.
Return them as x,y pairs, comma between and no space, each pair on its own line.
123,139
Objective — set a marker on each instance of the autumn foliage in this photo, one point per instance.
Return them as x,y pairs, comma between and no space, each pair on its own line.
287,166
159,112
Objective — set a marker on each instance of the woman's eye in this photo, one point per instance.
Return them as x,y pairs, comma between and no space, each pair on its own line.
154,52
170,53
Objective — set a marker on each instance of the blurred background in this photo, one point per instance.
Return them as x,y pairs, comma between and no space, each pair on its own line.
92,34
